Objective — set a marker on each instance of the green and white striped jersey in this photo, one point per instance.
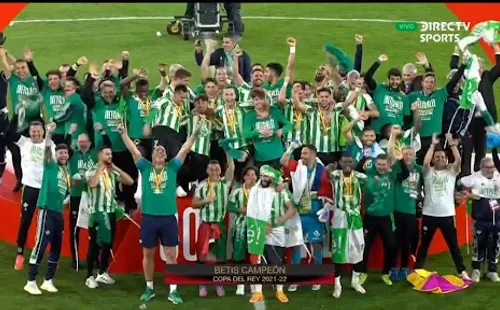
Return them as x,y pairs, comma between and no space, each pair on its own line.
213,212
203,141
326,138
232,125
245,100
237,200
278,207
166,113
169,94
348,191
299,122
102,197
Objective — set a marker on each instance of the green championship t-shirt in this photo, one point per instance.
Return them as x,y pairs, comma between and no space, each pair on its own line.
159,187
379,193
80,163
266,148
138,111
24,92
431,109
78,117
109,116
406,192
392,106
55,186
55,106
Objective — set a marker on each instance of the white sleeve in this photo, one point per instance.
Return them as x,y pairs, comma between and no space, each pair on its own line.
467,181
22,140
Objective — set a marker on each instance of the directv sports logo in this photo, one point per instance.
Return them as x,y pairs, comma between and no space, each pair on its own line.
436,32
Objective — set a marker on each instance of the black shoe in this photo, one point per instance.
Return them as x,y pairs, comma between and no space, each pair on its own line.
18,187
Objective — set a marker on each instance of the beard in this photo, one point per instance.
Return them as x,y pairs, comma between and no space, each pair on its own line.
265,184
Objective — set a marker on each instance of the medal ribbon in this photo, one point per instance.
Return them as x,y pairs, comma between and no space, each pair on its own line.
324,125
245,195
106,180
66,176
347,182
158,178
231,119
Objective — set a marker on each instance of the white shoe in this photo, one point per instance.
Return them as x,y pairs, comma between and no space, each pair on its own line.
91,283
493,276
32,288
240,289
180,192
476,276
316,287
105,279
355,283
337,290
293,287
48,286
465,276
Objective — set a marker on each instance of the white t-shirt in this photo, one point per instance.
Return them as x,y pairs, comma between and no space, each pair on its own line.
482,186
439,198
32,155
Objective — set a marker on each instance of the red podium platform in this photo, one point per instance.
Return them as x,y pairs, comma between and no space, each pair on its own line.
127,250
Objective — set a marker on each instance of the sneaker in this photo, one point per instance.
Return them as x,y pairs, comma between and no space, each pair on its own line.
293,287
19,264
240,289
257,297
493,276
316,287
32,288
281,297
356,282
105,279
148,294
476,276
180,192
220,291
394,274
91,282
175,298
48,286
203,291
465,276
386,279
362,278
403,273
337,289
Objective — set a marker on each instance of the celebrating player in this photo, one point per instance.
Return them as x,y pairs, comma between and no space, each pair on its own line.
159,207
56,183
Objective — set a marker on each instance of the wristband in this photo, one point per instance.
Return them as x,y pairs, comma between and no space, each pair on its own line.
292,49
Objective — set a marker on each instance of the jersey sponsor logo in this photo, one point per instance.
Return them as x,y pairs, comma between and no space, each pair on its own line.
23,90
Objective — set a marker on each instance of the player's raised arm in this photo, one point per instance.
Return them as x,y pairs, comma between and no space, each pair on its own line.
136,154
186,147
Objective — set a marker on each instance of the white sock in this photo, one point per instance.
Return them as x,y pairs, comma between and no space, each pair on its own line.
31,282
173,287
258,288
279,288
149,284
